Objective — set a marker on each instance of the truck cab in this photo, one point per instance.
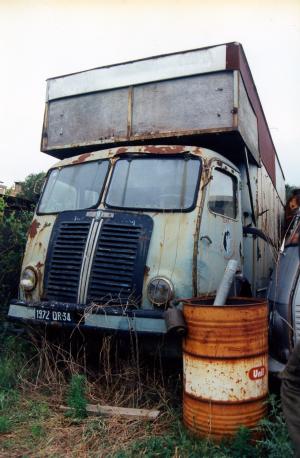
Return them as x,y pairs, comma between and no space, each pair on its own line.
119,233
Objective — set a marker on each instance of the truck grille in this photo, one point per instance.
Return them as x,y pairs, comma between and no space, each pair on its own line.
116,271
114,276
64,263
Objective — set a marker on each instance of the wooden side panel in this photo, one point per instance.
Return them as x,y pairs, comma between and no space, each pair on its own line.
86,119
247,122
202,102
188,105
236,60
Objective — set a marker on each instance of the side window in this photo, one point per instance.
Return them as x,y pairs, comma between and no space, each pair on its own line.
223,194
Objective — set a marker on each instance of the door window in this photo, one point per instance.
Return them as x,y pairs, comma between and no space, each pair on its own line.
223,194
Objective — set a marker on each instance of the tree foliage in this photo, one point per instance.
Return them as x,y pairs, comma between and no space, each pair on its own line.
13,234
32,186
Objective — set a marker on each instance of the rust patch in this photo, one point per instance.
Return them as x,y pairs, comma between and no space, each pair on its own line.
81,158
198,150
122,150
219,420
39,265
215,338
44,226
146,271
164,149
33,229
225,337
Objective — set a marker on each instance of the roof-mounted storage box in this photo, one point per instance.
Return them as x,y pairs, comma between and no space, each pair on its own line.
203,97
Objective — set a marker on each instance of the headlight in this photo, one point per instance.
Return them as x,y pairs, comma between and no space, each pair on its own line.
160,291
28,279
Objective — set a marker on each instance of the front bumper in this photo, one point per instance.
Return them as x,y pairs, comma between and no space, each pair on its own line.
106,318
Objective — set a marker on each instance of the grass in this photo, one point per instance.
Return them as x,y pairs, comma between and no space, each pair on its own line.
36,377
178,442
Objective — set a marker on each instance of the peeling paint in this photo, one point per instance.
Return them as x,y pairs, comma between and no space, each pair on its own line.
165,149
33,229
81,158
225,365
122,150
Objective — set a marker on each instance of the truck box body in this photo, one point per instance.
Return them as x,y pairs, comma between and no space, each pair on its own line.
167,171
203,97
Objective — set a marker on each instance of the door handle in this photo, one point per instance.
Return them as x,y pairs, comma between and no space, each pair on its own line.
206,237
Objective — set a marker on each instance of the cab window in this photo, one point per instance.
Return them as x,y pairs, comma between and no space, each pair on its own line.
157,183
74,187
223,194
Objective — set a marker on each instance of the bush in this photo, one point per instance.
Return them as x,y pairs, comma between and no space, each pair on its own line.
12,358
13,235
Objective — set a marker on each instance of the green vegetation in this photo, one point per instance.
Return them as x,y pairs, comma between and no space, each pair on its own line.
274,442
31,187
31,423
13,235
77,397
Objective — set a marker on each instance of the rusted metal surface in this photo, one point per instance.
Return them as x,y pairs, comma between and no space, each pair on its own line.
174,244
220,236
106,106
81,158
68,150
225,365
236,60
33,228
202,101
44,139
172,149
218,420
204,179
158,149
129,111
179,248
36,251
211,328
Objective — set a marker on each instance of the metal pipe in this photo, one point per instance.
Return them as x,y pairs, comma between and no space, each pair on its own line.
226,282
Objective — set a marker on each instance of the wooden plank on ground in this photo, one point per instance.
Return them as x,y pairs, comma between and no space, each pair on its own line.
111,411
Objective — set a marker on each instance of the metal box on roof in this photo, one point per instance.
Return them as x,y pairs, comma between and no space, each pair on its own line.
203,97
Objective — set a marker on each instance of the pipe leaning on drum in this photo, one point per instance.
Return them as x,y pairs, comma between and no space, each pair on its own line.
226,282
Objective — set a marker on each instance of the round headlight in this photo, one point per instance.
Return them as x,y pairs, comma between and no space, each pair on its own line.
28,279
160,291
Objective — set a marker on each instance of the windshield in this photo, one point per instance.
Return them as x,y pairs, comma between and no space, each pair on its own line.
74,187
154,183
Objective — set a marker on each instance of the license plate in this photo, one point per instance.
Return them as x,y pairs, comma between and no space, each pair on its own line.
54,315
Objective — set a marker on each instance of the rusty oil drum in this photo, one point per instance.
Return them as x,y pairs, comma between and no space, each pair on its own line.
225,364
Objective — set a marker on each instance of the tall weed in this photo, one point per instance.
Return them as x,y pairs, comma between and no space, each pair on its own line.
77,397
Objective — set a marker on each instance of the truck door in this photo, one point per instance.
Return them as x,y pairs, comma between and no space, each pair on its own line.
220,236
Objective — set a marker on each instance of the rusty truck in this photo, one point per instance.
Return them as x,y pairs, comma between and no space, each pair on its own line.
166,170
